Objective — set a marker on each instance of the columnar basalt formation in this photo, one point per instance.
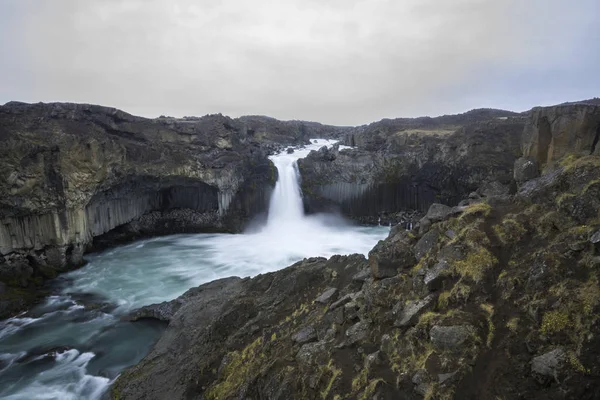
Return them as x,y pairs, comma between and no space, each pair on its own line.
73,175
411,170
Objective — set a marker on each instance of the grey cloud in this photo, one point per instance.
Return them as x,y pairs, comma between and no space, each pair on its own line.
344,62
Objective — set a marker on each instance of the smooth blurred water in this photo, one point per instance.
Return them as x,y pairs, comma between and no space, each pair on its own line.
74,345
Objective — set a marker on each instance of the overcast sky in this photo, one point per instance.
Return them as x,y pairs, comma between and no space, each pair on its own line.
343,62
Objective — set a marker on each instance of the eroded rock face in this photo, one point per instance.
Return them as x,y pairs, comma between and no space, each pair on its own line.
73,176
379,177
554,132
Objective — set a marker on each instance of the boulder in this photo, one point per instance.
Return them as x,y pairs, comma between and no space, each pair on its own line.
389,257
421,381
313,354
407,314
345,299
358,332
493,189
305,335
438,212
450,337
362,275
351,311
162,312
434,275
525,170
290,150
327,296
426,243
548,364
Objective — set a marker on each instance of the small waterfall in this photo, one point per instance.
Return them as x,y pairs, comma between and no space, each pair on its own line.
286,210
286,202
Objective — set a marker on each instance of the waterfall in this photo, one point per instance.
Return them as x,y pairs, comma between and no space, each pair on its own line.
286,202
286,209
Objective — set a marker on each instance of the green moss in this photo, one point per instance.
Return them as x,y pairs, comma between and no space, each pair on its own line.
242,367
513,324
589,295
444,299
591,185
568,160
509,231
333,372
370,389
554,322
479,209
576,364
475,264
564,197
489,311
360,380
427,318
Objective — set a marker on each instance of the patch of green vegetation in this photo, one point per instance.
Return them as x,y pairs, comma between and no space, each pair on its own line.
478,209
370,389
431,392
571,162
333,372
589,295
513,324
427,318
475,264
554,322
473,235
591,185
444,299
564,197
576,364
360,380
489,311
241,368
509,231
568,160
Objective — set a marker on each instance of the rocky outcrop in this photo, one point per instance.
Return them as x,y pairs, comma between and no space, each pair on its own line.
553,132
419,170
513,313
75,177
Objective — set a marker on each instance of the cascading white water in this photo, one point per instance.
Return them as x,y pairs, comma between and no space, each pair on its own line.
286,203
61,350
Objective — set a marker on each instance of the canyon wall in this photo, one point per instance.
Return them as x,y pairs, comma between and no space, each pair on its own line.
75,177
410,170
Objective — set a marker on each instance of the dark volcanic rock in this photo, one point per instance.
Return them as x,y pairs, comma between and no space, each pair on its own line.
75,177
525,169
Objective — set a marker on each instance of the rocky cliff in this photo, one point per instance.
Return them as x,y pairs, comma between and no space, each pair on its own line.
75,176
411,169
553,132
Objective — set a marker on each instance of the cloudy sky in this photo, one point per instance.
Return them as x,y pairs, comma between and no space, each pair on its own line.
334,61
